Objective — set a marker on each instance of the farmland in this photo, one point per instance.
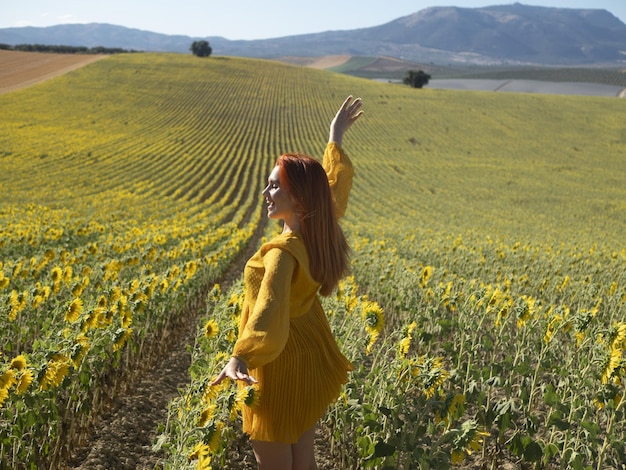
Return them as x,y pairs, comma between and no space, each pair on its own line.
484,313
21,69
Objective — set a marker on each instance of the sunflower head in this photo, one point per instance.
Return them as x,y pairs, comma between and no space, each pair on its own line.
211,328
206,415
19,362
24,382
213,436
248,396
74,310
373,317
7,379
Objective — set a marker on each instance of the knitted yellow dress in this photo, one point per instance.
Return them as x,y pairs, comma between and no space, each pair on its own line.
284,336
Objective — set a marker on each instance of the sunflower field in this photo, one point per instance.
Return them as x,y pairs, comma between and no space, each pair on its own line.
485,311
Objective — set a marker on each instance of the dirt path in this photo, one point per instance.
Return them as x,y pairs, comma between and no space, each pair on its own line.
22,69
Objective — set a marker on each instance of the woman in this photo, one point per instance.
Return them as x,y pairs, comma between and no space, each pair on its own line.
285,344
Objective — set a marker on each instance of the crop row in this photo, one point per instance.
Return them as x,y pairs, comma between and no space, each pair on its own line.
102,254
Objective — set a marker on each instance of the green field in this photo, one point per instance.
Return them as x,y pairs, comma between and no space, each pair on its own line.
487,227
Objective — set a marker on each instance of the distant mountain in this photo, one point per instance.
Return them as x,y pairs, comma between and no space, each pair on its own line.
96,34
497,34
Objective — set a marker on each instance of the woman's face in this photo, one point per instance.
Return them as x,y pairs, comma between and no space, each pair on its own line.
280,205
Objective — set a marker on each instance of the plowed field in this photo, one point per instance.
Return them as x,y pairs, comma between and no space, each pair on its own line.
22,69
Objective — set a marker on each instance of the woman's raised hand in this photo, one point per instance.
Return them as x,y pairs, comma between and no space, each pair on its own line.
349,112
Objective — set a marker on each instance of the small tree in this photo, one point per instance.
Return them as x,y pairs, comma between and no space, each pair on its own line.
417,79
201,48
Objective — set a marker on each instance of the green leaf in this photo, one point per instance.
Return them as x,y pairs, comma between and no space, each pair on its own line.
372,425
620,450
523,369
550,398
592,428
558,422
532,450
515,445
382,449
550,451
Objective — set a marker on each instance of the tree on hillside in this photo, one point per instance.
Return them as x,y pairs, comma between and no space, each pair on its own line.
201,48
417,79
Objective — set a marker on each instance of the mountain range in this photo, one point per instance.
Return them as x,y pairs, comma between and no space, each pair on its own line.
513,34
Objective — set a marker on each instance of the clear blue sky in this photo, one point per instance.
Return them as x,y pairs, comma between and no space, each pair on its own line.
246,19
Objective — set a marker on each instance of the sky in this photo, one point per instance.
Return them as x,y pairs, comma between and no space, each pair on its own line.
247,19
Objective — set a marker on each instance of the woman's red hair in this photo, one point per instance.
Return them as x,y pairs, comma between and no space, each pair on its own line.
307,183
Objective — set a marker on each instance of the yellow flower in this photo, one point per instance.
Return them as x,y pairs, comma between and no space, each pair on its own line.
427,273
56,370
611,363
248,396
211,329
212,391
230,335
18,302
121,336
235,304
371,342
372,316
37,301
200,451
467,440
67,274
431,374
4,394
24,382
525,309
74,310
619,335
552,327
404,345
214,437
452,408
77,289
56,275
126,315
4,281
7,379
93,319
206,415
190,269
351,303
112,269
80,349
18,362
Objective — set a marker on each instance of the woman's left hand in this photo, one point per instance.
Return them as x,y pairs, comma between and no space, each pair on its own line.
236,369
348,113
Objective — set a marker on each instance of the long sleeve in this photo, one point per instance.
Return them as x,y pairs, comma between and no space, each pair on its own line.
340,172
267,329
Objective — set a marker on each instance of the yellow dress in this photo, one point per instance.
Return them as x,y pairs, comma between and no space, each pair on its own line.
284,336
